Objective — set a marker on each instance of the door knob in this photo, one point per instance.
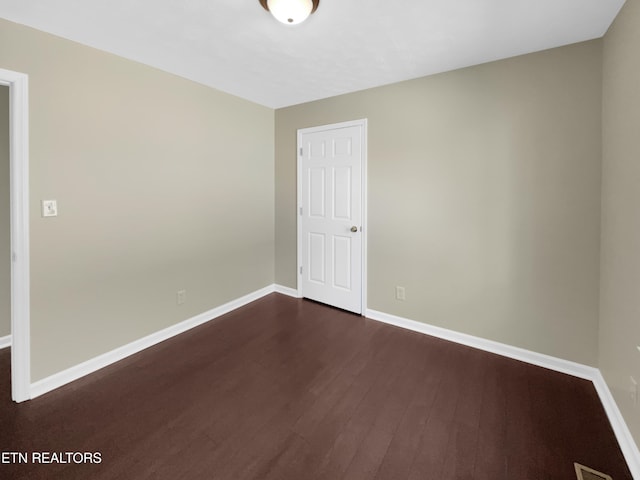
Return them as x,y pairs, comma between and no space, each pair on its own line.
354,229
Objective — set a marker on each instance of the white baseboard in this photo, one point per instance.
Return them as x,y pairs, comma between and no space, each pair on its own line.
5,341
292,292
62,378
623,435
625,439
542,360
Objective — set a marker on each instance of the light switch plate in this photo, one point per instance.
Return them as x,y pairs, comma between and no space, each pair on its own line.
49,208
181,297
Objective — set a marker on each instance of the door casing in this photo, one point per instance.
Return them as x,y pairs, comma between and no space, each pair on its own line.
18,84
353,123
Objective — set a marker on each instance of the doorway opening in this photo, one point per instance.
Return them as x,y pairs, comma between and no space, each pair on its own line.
5,222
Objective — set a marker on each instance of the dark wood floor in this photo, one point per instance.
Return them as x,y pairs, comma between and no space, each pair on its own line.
289,389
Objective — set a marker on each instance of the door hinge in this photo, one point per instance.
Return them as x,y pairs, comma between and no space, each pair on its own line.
300,210
300,151
300,270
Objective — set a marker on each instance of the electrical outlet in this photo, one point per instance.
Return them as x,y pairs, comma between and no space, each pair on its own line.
400,294
49,208
633,390
181,297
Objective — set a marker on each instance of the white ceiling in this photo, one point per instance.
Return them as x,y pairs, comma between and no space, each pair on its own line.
347,45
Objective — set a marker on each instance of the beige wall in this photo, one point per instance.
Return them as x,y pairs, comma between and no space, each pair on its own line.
620,267
162,184
5,239
484,197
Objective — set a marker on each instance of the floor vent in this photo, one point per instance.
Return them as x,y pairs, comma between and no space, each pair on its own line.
586,473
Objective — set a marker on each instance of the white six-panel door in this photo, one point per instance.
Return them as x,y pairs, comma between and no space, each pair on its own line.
330,214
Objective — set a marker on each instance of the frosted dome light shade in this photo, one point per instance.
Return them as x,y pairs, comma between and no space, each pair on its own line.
290,12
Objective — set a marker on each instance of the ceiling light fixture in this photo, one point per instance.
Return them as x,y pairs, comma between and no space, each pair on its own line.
290,12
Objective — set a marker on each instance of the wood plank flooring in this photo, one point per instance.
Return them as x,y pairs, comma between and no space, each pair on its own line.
287,389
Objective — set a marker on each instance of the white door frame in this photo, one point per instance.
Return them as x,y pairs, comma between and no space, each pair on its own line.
354,123
18,84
